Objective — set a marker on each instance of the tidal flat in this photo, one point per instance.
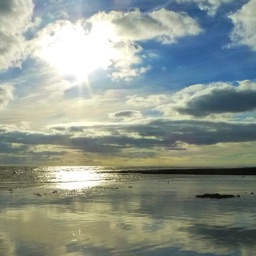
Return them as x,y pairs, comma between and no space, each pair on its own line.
97,211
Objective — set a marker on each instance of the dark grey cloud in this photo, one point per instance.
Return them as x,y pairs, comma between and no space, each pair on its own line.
20,154
31,138
115,139
126,114
10,148
112,143
60,129
201,100
76,129
218,101
46,154
198,132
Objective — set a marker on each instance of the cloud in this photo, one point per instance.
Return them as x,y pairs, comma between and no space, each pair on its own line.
210,6
6,95
126,115
202,100
155,141
196,132
162,25
244,31
111,41
15,18
12,148
160,134
150,101
218,99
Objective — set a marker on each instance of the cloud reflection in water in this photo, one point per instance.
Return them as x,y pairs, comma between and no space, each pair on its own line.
146,216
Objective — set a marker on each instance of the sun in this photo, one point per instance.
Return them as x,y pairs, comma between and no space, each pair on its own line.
72,50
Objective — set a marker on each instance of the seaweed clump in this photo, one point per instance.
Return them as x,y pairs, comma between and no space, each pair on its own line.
216,196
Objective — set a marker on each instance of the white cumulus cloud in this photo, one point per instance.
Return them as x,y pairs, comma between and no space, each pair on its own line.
125,30
115,39
15,18
163,25
244,20
6,94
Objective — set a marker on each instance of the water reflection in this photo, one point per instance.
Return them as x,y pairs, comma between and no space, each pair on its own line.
149,217
76,178
62,231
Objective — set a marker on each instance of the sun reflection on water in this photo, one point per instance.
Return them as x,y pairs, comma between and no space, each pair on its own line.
77,177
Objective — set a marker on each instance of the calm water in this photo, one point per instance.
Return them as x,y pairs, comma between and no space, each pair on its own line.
86,211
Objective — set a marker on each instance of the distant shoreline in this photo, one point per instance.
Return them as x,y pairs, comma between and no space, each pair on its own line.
193,171
242,171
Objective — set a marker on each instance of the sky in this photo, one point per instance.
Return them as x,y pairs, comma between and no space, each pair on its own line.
128,82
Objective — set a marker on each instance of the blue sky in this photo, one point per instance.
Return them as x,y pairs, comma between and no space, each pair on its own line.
168,82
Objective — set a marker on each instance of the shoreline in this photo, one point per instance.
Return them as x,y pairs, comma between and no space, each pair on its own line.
243,171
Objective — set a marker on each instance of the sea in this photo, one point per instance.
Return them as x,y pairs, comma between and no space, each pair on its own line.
85,210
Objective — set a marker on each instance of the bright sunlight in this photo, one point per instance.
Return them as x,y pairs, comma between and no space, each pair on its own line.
73,51
76,177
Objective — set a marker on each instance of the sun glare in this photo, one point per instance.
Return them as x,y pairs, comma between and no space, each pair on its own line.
76,178
72,51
